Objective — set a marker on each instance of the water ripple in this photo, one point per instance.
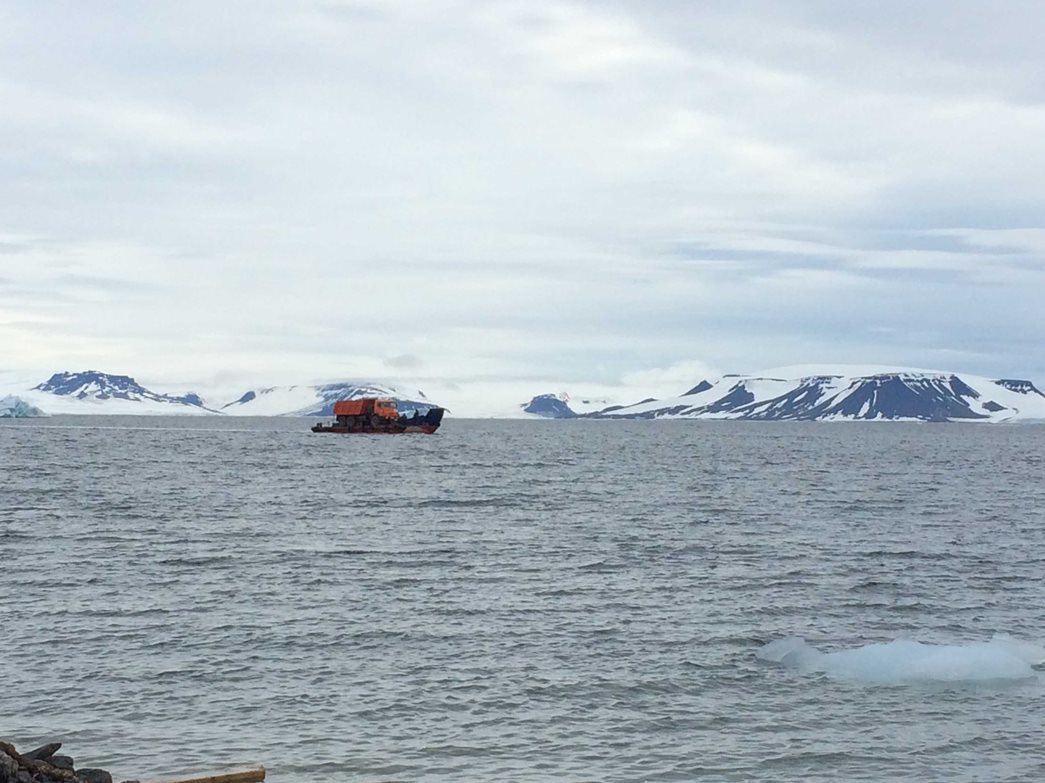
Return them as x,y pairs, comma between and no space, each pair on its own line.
515,601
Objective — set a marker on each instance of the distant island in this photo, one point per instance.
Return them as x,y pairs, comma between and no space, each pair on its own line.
804,394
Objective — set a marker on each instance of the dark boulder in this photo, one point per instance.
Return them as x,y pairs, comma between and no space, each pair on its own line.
93,776
44,752
8,768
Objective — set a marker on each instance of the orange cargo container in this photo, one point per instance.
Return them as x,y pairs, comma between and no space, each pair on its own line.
350,407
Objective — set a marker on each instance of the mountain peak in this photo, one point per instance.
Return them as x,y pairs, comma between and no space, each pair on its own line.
101,386
703,386
92,383
550,406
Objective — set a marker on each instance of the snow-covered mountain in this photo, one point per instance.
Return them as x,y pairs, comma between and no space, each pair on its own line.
905,395
95,392
806,393
317,400
95,385
91,391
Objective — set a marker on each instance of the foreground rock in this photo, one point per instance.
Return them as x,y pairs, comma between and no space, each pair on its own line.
42,765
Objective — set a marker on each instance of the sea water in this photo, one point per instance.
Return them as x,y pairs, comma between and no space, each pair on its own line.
526,601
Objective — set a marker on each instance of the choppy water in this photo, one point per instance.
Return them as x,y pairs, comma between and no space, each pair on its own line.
577,601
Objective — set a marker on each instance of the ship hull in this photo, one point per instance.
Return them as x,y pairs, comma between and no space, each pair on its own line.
349,429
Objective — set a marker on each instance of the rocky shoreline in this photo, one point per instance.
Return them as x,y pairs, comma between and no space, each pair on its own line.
45,765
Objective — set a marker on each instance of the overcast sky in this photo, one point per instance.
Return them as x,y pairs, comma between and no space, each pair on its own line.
605,192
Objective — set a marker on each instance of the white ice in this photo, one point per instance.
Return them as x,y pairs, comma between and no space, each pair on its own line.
17,408
904,661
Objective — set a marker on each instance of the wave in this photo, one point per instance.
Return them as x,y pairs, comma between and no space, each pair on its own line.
904,661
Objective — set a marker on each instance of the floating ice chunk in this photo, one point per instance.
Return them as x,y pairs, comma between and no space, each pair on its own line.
1032,653
17,408
904,661
792,652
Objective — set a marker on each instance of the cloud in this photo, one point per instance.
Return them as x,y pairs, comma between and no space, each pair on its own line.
545,190
685,373
404,361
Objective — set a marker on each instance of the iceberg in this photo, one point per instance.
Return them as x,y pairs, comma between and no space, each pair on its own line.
16,408
903,662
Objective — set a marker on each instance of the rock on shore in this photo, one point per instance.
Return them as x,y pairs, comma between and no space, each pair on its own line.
44,765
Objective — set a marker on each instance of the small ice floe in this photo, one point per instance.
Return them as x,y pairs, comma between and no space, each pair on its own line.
903,662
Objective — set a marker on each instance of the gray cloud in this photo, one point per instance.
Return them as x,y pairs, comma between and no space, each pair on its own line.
405,361
541,189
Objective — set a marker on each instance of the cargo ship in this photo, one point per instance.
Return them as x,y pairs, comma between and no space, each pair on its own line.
381,415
